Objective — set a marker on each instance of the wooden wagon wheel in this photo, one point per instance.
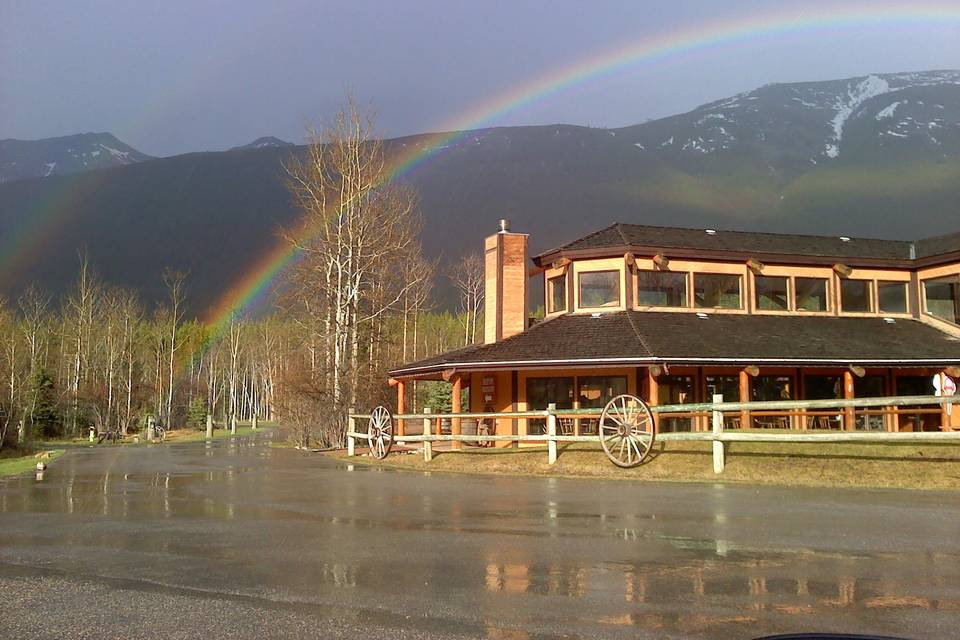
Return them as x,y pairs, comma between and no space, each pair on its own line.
626,430
380,432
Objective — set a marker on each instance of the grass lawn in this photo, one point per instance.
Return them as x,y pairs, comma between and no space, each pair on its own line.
901,465
14,461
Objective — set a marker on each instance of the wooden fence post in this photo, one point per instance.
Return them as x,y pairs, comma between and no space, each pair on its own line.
351,428
718,452
552,433
427,445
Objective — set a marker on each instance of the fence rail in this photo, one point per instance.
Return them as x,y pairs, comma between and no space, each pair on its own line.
718,435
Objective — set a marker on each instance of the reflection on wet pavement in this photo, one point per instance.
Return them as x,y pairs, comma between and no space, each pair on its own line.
490,556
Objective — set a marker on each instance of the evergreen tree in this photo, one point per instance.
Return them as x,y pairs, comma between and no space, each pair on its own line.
197,413
43,411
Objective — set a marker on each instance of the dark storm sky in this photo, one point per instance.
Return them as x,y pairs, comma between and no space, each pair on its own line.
170,77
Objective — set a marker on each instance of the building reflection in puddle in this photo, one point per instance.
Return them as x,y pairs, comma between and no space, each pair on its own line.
739,589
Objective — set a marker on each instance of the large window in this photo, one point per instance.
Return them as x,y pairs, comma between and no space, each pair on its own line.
810,294
772,388
541,392
594,393
823,388
892,297
675,390
661,289
600,289
557,294
771,293
943,298
716,291
855,296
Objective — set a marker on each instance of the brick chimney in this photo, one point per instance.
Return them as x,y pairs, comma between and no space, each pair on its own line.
505,289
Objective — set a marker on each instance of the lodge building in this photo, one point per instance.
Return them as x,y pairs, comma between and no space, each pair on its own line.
677,315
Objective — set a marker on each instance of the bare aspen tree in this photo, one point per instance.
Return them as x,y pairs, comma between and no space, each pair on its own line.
356,233
174,281
468,277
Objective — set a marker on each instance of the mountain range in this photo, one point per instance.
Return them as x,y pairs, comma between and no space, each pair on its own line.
875,156
21,159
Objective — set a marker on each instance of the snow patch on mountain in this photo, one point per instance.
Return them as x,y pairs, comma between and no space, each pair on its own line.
887,112
122,156
845,106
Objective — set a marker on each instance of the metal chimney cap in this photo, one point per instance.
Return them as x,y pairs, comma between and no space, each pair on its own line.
504,225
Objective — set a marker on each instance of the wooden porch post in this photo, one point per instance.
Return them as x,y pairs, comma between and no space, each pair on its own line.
849,421
653,393
944,414
457,408
401,407
744,397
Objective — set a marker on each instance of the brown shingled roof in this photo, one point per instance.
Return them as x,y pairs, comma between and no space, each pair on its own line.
632,337
620,235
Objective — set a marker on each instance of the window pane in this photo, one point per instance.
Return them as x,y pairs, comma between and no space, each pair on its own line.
942,298
558,294
675,390
714,290
661,289
771,293
772,388
600,289
811,294
892,296
855,296
543,391
597,391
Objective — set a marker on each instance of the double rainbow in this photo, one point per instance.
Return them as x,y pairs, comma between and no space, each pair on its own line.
254,284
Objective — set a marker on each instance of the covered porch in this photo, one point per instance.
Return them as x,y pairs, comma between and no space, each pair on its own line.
579,362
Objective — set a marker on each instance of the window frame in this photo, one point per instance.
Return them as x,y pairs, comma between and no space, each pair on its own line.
619,302
687,289
926,307
906,296
788,296
550,299
826,295
871,296
693,290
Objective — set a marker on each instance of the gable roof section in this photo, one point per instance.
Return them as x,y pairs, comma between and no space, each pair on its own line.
638,338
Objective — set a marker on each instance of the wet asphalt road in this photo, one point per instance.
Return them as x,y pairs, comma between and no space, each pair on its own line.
239,540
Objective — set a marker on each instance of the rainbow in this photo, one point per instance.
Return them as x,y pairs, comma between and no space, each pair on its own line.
252,287
730,31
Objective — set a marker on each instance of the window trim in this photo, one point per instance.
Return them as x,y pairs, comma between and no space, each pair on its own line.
828,302
923,294
609,307
871,297
549,301
687,299
755,302
693,290
906,297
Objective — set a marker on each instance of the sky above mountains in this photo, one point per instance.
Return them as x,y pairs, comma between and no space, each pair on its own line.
171,77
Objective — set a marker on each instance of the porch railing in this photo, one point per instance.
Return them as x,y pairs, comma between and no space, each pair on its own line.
719,435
